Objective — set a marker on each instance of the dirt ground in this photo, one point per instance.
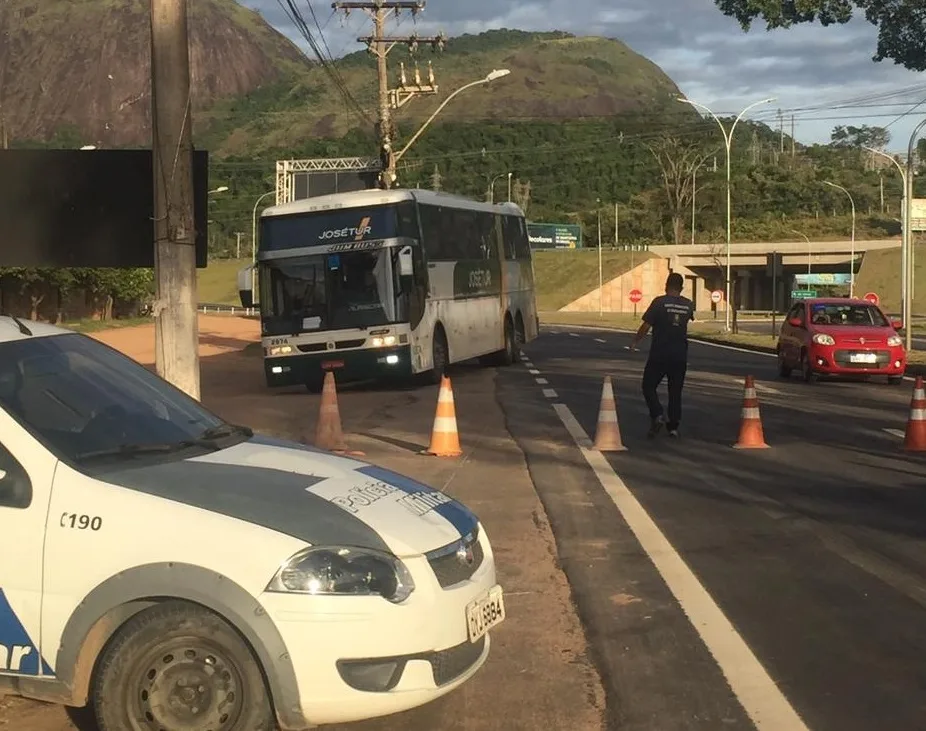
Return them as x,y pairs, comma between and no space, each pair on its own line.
538,675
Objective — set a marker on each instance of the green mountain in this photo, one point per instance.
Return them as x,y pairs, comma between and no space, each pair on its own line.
82,67
553,76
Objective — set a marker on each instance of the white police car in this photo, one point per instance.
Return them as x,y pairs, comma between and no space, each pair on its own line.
178,572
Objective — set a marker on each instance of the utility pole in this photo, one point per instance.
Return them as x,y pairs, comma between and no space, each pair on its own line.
793,150
781,132
176,325
379,44
238,235
617,231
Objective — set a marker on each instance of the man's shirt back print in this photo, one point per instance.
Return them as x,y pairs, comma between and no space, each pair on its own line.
669,316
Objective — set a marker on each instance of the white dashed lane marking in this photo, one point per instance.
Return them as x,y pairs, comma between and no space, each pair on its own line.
550,393
599,340
543,382
534,372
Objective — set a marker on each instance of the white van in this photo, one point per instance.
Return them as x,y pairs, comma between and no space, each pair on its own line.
176,571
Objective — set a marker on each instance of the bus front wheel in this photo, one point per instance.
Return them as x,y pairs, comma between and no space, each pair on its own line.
440,358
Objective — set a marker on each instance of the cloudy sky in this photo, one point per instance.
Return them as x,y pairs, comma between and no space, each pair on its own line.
825,76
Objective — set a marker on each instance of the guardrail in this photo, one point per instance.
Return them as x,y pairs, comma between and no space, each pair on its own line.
219,309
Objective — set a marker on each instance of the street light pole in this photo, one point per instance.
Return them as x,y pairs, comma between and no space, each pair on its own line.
908,224
905,235
600,281
492,186
492,76
728,141
809,253
509,187
852,260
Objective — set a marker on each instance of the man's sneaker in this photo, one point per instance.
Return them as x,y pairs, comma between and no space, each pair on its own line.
654,426
673,433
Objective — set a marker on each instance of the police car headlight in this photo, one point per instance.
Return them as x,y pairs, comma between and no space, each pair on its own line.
344,571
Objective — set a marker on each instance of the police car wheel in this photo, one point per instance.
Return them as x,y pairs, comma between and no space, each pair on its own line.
177,665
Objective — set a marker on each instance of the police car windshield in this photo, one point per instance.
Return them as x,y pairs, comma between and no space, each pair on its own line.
80,397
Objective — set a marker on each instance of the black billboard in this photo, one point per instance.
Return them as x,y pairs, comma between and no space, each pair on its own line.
316,183
87,208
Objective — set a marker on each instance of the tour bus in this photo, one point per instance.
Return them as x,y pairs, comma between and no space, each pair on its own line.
376,284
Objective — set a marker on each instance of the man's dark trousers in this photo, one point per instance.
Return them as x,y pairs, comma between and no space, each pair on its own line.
656,369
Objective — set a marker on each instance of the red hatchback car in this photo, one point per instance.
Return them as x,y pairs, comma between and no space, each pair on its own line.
840,337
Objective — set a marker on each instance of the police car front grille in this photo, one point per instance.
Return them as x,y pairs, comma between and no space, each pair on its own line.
448,665
447,566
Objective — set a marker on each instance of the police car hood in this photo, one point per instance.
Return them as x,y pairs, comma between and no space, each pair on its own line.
310,495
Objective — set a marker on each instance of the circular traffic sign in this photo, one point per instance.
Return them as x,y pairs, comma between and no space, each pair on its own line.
873,298
716,296
635,295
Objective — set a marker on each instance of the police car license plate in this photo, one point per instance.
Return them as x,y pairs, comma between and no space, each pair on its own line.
484,613
863,358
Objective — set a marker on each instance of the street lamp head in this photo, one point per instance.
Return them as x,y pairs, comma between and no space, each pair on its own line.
497,74
220,189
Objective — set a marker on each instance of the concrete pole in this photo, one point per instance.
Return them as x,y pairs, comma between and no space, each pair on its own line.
176,323
385,112
908,226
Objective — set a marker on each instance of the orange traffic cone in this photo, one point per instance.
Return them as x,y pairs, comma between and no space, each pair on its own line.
608,431
751,435
915,437
445,440
328,434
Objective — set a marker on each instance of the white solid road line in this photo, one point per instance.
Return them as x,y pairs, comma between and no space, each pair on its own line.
899,433
762,700
550,393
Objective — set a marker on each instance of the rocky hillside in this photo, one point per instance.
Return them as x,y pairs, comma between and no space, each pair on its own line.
84,65
554,76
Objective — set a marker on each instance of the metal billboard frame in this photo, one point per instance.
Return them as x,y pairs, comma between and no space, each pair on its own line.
285,186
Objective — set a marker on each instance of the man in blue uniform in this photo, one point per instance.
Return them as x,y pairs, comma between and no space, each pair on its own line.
668,316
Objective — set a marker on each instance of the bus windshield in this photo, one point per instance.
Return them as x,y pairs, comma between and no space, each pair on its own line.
355,289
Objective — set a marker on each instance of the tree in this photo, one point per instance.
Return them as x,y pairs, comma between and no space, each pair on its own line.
901,23
521,193
678,162
864,136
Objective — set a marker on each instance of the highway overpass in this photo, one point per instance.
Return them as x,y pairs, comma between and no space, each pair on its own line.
749,260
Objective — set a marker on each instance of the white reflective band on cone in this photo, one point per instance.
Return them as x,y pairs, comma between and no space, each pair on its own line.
445,424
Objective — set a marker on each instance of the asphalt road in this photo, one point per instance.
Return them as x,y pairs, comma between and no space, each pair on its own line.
814,550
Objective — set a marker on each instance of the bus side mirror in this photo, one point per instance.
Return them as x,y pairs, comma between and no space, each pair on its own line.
246,287
406,263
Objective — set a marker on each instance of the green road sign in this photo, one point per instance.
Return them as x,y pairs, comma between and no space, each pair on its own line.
802,294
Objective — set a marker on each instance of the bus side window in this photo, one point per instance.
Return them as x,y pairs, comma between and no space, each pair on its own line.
510,229
487,243
522,244
432,231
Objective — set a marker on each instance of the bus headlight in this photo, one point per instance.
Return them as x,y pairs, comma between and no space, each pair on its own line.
344,571
381,342
280,350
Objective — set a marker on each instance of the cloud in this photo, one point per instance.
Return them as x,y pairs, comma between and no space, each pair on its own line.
810,69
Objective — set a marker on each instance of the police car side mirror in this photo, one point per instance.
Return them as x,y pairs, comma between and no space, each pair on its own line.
406,263
15,490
